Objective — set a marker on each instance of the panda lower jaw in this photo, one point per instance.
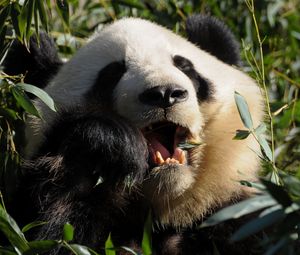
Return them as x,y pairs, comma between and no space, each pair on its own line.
163,143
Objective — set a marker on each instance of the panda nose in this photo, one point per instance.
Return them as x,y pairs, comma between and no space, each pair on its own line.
163,96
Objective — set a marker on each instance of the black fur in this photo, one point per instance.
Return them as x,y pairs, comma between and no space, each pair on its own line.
212,35
39,64
202,85
60,181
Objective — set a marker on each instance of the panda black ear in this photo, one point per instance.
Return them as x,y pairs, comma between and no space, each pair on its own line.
39,64
213,36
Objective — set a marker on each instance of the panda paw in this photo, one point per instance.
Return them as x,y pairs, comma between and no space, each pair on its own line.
98,145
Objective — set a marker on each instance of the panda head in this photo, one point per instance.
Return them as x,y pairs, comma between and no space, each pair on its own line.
178,92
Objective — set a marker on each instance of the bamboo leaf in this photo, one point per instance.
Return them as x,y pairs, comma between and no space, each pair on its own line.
22,18
7,251
11,230
41,94
2,38
24,101
42,14
147,236
41,246
131,3
80,249
260,130
68,232
33,225
36,20
240,209
265,147
29,18
109,247
243,110
241,134
129,250
278,193
3,16
63,10
258,224
14,14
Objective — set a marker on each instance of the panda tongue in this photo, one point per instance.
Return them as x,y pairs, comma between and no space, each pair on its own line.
155,146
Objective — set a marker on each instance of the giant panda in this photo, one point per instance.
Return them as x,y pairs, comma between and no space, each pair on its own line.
145,121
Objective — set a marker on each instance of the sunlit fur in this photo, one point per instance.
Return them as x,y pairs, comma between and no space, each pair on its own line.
183,194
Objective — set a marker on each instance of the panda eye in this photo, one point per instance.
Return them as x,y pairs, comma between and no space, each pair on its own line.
202,85
183,64
106,81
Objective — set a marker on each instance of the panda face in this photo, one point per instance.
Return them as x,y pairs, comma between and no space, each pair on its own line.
175,93
162,96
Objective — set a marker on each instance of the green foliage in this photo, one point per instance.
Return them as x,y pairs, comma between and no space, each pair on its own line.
109,247
147,236
271,48
68,233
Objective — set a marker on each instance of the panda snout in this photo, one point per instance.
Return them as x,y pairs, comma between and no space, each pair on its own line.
164,96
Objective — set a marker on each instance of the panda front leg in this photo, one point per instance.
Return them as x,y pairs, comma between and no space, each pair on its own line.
87,173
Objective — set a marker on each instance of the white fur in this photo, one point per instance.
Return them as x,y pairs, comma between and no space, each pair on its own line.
185,195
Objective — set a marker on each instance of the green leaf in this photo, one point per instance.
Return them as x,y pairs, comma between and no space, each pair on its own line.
278,193
240,209
24,101
4,2
41,94
243,110
188,145
12,232
2,39
42,13
63,10
260,130
30,11
48,2
14,13
9,114
147,236
4,15
131,3
68,232
241,134
109,246
22,18
215,249
129,250
7,251
36,20
291,183
33,225
41,246
265,147
258,224
80,249
255,185
274,248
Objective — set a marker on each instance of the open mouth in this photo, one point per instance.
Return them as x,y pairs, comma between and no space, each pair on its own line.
164,140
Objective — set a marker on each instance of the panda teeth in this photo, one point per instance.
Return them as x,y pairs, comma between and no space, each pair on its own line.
178,157
159,159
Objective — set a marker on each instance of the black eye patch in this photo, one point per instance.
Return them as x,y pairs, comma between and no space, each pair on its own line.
106,81
202,85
